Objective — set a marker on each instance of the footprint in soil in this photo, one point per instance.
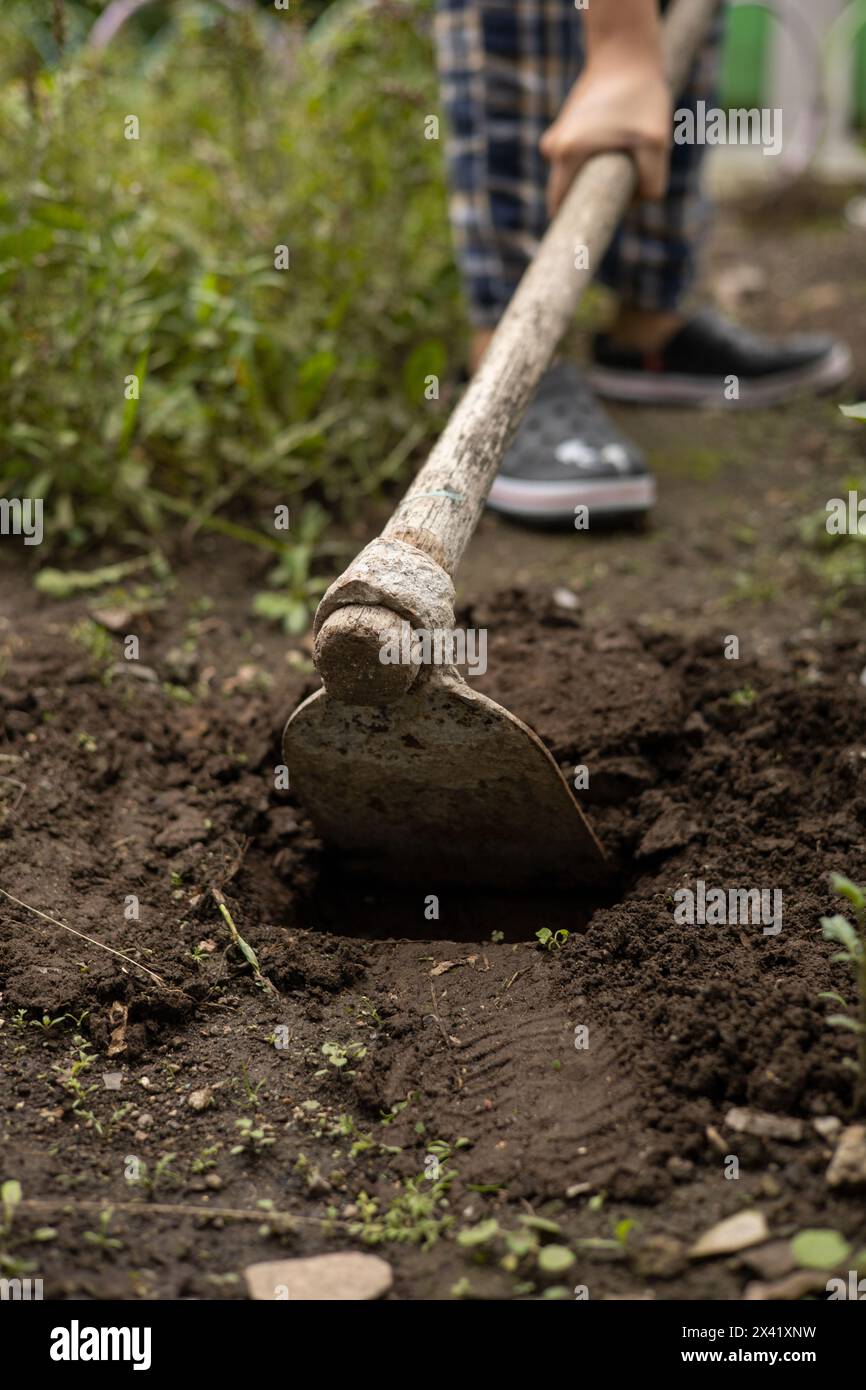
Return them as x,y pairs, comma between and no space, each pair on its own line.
519,1066
552,1111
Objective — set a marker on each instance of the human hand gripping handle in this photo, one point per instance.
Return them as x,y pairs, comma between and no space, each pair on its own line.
620,102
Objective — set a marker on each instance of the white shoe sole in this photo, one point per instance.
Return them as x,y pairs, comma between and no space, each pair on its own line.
540,501
645,388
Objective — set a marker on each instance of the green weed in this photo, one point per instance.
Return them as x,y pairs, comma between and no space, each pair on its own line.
552,940
155,359
851,936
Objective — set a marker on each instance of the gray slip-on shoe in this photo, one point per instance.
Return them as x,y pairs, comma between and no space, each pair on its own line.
568,454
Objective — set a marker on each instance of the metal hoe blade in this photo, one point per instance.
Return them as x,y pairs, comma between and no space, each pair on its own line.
444,786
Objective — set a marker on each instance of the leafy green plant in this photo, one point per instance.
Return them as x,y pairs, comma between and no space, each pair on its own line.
254,1138
47,1024
851,936
552,940
418,1215
102,1239
63,584
10,1200
531,1251
11,1196
252,1090
155,359
473,1237
367,1009
70,1079
294,591
819,1249
205,1160
839,559
243,946
95,641
339,1055
555,1259
745,697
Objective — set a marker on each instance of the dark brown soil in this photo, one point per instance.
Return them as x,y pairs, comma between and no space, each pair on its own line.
163,789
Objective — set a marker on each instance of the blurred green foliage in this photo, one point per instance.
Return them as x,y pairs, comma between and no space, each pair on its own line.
155,258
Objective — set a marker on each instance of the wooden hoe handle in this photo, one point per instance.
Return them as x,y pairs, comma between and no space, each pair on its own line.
406,574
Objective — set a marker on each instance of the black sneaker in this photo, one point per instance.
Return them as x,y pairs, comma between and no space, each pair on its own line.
568,454
713,362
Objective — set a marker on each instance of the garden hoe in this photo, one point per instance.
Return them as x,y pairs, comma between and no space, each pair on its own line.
408,772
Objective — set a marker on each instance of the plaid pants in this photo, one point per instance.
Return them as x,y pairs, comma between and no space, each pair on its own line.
505,68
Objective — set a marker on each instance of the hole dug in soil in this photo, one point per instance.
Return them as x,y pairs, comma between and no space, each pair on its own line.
387,1032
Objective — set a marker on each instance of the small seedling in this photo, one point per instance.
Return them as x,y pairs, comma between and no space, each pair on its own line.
552,940
101,1238
254,1138
252,1089
418,1215
12,1265
746,696
297,590
47,1024
820,1248
10,1200
344,1127
163,1173
851,936
205,1162
531,1252
367,1009
94,639
72,1084
340,1056
244,947
387,1117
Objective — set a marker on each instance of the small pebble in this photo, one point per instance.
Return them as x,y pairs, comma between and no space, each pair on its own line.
200,1100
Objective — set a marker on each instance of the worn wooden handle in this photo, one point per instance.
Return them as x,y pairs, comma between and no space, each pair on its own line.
441,508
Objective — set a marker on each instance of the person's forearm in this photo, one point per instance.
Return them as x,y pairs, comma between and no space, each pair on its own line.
618,26
619,102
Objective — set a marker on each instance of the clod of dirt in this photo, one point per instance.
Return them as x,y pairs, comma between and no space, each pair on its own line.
659,1257
347,1275
771,1261
671,830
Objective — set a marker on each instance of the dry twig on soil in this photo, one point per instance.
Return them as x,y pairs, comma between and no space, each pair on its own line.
46,917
